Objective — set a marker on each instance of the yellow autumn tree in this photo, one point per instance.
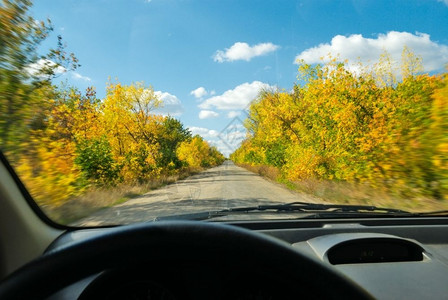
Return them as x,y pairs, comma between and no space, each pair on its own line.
197,153
382,125
437,140
132,126
48,167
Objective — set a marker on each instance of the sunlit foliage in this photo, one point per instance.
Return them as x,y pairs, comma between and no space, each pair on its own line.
62,141
383,126
198,153
23,72
80,141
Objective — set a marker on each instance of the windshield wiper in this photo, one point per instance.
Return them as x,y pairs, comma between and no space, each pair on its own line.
344,208
307,207
315,209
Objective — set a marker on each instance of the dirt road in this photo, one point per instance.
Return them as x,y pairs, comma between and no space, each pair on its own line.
216,188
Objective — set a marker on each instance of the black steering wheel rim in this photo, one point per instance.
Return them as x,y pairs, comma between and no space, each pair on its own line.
181,240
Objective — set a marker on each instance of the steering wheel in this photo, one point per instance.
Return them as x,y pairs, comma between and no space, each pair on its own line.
180,241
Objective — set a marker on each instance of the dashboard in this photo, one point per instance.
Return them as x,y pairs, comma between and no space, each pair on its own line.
388,258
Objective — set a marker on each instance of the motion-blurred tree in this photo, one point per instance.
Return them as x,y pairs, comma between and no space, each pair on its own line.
23,70
376,125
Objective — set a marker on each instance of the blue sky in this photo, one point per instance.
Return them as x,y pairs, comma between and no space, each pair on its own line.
209,59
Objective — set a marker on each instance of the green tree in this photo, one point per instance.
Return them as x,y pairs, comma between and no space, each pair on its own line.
171,134
94,157
23,70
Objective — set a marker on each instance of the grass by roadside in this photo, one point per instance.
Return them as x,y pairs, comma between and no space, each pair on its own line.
350,193
97,198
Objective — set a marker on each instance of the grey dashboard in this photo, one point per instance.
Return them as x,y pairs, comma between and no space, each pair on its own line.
403,278
389,258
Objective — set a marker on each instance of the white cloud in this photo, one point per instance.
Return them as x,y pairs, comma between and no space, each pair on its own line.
242,51
222,147
36,68
237,135
233,114
238,98
199,92
227,141
204,132
235,126
444,1
230,140
368,50
171,104
76,75
207,114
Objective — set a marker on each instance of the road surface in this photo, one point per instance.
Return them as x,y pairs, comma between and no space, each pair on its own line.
214,189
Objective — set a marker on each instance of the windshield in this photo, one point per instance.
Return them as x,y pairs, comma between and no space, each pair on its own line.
130,111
